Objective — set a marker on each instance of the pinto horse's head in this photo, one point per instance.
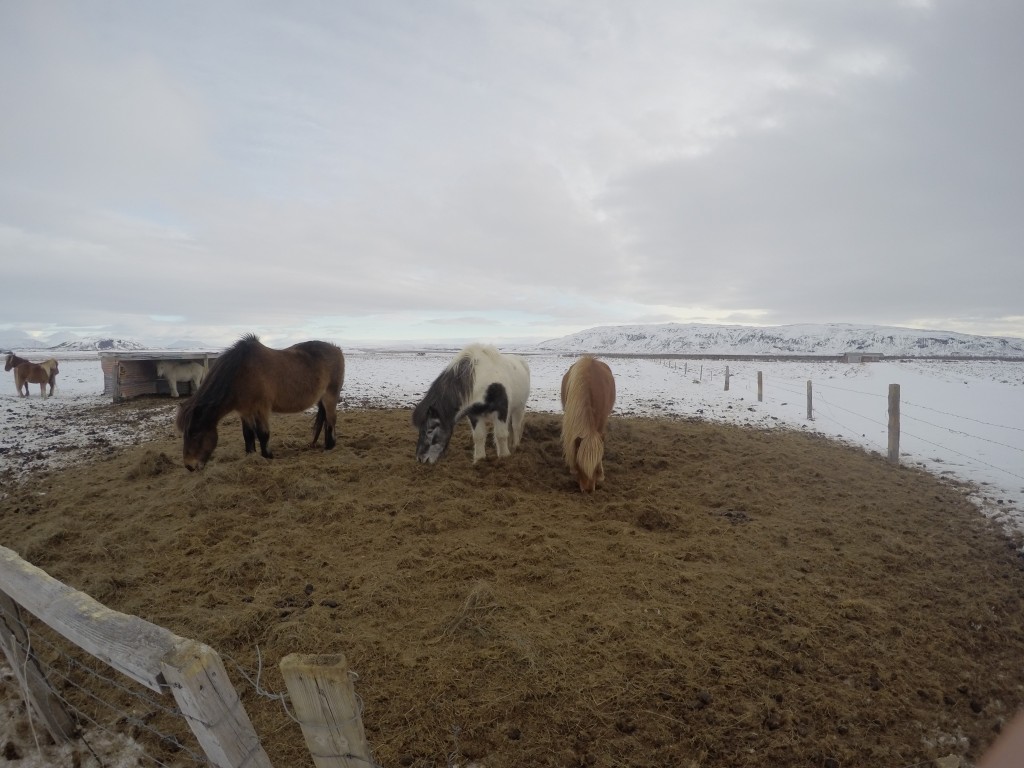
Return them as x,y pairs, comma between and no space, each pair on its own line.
199,437
434,437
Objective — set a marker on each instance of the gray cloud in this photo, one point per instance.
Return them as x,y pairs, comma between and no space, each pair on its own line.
514,170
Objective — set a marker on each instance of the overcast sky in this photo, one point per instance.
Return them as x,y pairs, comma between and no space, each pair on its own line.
517,169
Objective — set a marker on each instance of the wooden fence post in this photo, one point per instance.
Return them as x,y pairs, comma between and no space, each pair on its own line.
810,399
760,387
210,704
894,423
727,378
39,696
325,704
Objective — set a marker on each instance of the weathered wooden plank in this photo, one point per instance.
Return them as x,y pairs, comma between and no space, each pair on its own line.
131,645
210,704
39,696
326,707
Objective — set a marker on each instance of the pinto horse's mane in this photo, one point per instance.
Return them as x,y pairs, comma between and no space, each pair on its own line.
448,392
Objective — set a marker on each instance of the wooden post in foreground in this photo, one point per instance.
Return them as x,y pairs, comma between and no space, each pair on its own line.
760,387
810,400
40,699
727,378
326,707
210,704
894,423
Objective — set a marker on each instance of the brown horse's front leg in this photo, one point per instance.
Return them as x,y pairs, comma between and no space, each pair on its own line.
262,427
249,435
324,421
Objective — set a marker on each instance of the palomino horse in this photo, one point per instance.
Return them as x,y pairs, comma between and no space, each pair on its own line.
483,385
30,373
184,371
588,395
13,361
256,381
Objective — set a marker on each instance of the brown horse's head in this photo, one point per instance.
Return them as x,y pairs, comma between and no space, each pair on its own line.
199,436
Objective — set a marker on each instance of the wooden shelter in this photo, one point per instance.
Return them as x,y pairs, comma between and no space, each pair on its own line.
130,373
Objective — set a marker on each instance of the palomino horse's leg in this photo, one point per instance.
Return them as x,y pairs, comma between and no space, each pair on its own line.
173,384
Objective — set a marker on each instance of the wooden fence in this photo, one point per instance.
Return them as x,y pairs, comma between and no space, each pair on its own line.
191,672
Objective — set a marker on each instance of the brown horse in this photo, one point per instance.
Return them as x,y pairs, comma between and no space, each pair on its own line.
42,374
256,381
588,395
13,361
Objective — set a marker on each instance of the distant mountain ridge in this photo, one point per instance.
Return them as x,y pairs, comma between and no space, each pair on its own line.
100,345
803,339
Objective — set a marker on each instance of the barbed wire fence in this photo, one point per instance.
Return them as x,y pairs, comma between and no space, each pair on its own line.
116,721
97,681
863,425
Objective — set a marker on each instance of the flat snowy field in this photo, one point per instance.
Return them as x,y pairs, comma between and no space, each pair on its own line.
959,419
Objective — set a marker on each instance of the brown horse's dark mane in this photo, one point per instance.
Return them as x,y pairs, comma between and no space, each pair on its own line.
13,361
214,396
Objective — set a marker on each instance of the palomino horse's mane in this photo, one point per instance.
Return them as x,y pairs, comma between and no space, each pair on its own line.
448,392
588,395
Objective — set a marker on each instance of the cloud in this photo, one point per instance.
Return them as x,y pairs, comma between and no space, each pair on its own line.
509,168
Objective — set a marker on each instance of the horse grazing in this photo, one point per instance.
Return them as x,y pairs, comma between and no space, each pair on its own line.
588,395
485,386
183,371
256,381
32,373
13,361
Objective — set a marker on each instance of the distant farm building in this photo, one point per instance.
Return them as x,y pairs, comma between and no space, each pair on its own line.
860,357
130,373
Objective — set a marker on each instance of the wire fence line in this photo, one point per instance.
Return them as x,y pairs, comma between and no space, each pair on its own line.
124,715
826,408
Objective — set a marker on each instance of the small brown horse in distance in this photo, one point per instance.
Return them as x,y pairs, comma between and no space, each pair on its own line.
256,381
588,396
13,361
31,373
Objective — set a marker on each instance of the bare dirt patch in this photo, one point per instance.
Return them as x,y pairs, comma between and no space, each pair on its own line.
730,596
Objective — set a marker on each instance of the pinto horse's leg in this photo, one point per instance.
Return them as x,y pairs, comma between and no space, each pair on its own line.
479,439
501,431
516,417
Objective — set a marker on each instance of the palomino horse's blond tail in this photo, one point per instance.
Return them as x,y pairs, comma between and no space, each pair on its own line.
588,394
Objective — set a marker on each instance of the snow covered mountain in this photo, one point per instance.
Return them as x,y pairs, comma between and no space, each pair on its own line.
87,345
825,339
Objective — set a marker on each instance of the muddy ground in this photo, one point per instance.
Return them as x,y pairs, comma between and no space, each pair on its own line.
730,596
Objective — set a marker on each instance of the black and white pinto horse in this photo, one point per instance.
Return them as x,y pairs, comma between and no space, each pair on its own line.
485,386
